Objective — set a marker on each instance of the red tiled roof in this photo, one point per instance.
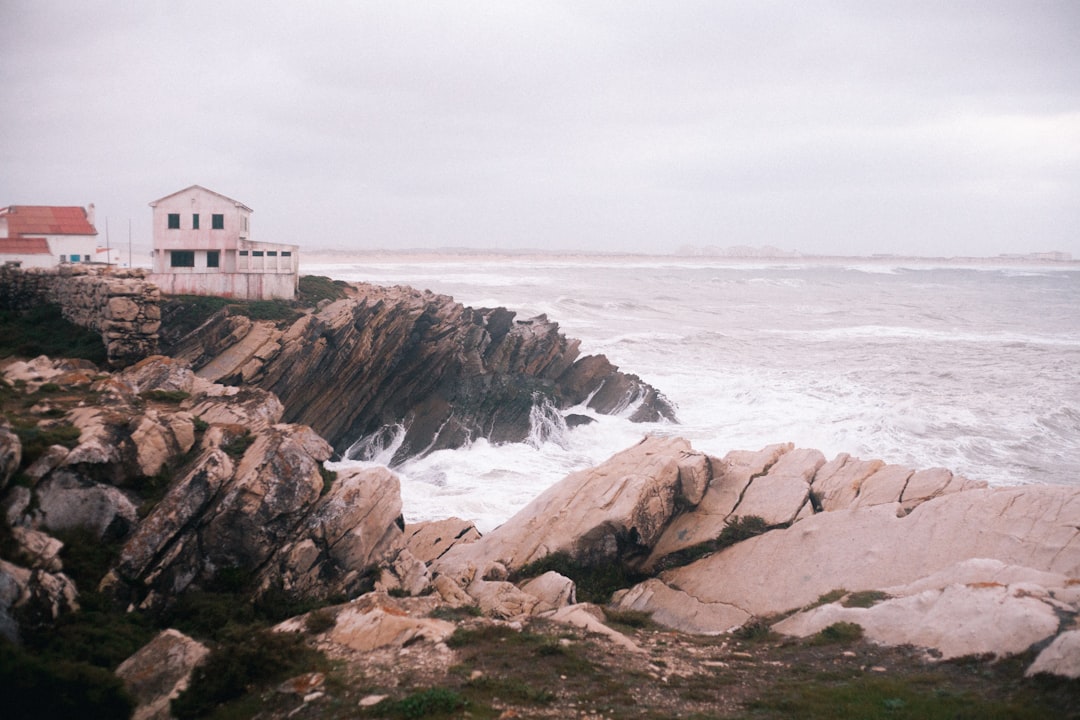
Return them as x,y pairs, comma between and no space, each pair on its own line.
24,246
23,220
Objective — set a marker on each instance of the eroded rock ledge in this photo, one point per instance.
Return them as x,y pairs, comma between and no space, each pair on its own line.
389,358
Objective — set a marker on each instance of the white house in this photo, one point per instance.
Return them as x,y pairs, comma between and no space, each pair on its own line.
46,235
203,246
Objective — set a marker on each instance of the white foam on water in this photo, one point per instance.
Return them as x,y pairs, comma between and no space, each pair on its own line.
969,369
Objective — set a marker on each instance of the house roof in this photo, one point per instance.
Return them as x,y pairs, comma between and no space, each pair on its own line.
237,203
24,246
27,220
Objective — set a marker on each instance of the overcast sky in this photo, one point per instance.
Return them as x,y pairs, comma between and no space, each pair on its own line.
927,128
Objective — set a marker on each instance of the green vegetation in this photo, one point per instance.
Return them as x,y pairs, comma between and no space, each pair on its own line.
174,397
236,447
316,288
595,582
328,478
888,698
839,632
44,331
42,687
243,659
736,529
865,598
36,439
431,703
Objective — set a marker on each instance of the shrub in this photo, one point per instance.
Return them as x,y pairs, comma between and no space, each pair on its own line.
839,632
595,581
36,439
35,688
865,598
236,447
242,661
166,396
44,331
316,288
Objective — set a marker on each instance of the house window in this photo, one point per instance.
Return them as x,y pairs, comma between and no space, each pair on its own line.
195,221
213,258
217,222
63,258
271,253
243,253
256,253
286,253
174,221
75,258
182,258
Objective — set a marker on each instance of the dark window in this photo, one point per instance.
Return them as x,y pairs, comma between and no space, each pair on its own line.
217,222
195,221
286,253
74,258
182,258
243,253
256,253
174,221
271,253
213,258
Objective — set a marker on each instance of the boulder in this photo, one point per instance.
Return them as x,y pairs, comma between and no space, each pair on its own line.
616,509
10,452
879,546
779,495
349,531
429,540
1061,657
67,500
159,671
552,590
976,607
730,478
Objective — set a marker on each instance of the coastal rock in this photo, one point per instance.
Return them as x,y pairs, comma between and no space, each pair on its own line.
977,607
10,452
67,500
159,671
1061,657
33,598
390,360
431,539
269,512
37,550
351,529
552,590
616,509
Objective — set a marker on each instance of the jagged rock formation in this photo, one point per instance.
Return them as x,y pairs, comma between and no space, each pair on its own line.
954,566
391,360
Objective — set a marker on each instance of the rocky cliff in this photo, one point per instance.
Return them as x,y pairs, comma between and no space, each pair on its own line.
398,363
199,484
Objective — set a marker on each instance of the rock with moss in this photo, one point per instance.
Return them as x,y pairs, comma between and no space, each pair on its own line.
160,671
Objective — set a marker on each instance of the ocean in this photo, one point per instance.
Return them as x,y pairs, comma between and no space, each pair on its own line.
973,368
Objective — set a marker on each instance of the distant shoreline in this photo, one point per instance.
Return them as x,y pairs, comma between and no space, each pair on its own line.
344,257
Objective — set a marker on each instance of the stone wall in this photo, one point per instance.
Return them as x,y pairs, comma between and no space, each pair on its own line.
119,303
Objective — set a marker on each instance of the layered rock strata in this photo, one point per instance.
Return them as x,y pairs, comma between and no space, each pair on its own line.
400,365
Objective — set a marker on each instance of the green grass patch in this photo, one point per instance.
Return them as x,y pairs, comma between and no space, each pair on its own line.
328,477
44,331
635,619
316,288
430,703
754,630
885,698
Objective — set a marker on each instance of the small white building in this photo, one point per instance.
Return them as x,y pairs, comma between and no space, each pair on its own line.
203,246
47,235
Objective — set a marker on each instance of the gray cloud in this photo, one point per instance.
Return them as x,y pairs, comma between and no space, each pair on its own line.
919,127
